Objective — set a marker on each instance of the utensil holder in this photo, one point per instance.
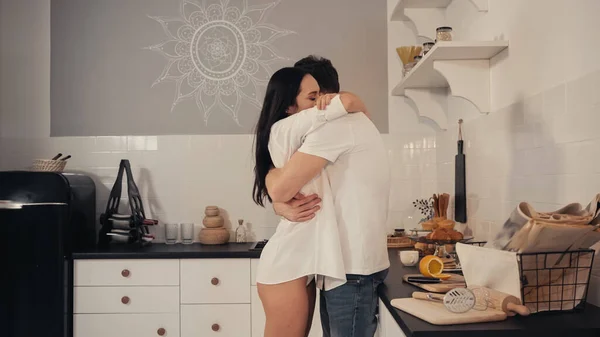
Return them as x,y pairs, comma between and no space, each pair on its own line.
48,165
555,281
138,222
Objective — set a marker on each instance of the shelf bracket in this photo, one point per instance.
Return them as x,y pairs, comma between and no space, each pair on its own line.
431,103
469,79
426,20
482,5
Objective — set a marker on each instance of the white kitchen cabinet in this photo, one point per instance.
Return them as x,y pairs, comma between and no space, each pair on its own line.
121,272
126,325
388,327
222,320
207,281
170,298
107,300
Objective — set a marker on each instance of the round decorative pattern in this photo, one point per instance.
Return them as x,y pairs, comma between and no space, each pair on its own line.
219,55
218,50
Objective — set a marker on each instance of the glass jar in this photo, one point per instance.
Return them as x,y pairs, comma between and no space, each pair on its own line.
443,34
418,58
427,47
240,232
399,232
408,67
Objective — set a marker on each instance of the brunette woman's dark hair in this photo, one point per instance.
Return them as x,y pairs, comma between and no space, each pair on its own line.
281,93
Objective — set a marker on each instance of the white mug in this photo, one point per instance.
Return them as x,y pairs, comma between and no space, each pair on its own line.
409,258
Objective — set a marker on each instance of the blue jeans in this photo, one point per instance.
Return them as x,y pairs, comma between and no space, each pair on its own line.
350,310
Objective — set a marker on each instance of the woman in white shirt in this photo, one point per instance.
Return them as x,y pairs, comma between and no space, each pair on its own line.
297,252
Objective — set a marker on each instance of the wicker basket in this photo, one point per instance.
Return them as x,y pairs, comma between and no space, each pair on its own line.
47,165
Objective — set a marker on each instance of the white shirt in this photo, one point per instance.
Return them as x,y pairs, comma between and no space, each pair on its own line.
359,175
313,247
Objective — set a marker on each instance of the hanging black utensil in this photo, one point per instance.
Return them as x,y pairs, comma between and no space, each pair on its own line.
460,188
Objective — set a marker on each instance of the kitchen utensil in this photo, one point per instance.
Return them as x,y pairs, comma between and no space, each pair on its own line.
498,300
457,300
136,206
57,156
436,313
187,233
456,281
409,258
171,233
65,158
423,279
436,207
460,185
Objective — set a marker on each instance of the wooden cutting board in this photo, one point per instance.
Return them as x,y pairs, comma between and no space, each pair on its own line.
437,314
456,281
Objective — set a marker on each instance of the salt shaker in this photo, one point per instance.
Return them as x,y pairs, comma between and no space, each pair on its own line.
240,232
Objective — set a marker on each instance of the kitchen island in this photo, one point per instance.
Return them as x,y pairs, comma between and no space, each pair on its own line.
586,323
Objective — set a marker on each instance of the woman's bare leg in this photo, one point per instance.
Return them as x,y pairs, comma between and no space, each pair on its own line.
311,292
286,308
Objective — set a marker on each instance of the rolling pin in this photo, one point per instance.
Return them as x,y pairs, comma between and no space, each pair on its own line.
498,300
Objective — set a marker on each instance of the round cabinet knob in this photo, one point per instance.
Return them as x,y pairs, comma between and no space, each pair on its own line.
215,281
125,273
216,327
161,332
125,300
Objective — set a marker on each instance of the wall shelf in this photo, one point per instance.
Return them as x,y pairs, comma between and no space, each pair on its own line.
460,67
427,15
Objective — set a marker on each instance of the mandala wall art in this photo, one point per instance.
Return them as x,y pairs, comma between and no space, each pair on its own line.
201,67
218,54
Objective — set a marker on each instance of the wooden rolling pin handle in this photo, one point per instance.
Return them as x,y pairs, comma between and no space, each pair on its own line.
427,296
519,309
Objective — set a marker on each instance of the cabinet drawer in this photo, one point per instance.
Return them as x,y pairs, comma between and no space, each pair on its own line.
114,300
219,320
205,281
126,272
126,325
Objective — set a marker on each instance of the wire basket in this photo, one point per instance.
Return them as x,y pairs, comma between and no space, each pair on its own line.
556,281
48,165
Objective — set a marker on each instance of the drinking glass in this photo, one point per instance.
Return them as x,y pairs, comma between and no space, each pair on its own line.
187,233
171,233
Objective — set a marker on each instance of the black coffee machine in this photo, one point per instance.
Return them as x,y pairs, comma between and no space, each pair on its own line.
44,218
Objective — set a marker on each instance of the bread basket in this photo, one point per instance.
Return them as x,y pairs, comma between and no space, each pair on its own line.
48,165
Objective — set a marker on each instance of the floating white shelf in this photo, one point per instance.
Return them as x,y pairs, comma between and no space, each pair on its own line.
398,13
463,67
427,15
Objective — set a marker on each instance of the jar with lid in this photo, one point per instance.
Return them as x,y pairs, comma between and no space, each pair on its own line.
443,34
240,232
418,58
427,47
408,67
399,232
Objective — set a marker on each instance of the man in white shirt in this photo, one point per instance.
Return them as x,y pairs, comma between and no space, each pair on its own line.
351,150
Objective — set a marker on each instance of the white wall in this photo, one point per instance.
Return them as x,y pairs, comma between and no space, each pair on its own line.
177,175
540,143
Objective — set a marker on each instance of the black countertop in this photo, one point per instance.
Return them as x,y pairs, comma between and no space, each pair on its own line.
176,251
581,324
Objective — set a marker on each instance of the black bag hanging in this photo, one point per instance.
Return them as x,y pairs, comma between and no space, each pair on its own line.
125,228
460,188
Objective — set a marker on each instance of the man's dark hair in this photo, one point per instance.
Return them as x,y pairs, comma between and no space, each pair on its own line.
323,71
